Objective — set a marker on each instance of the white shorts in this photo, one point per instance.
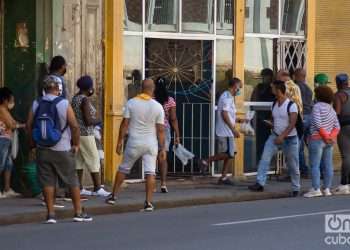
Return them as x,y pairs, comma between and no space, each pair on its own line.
134,151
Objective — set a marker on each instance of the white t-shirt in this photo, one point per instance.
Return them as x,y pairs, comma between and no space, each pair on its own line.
143,115
281,117
226,103
65,143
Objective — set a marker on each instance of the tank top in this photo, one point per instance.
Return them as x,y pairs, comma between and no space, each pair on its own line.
344,116
77,101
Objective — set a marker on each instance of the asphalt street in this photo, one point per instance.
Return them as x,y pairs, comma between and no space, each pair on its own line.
284,224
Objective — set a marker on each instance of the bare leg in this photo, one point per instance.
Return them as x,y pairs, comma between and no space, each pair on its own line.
163,167
150,182
7,180
80,176
217,157
49,194
225,168
119,179
96,179
75,193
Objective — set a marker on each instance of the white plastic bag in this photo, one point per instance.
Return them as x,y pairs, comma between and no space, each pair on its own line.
14,144
183,154
246,127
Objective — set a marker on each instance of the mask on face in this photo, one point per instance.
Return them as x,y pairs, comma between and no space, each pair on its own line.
91,92
11,105
238,92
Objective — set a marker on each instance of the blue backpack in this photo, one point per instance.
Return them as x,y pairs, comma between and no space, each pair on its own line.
47,130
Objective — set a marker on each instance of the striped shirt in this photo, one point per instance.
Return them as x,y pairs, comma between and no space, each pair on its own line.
167,106
323,118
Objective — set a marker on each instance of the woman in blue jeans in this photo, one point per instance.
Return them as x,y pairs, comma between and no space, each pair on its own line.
323,133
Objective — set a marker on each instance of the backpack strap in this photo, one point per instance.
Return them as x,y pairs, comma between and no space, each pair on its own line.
289,106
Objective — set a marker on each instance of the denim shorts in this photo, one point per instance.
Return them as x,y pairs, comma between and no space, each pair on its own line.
6,163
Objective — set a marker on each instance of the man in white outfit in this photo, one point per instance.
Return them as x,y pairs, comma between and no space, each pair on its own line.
143,122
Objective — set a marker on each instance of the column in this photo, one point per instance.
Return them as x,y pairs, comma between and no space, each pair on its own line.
113,81
311,41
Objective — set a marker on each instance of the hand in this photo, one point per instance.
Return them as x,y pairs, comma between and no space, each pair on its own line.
75,149
279,140
20,125
329,141
236,133
162,155
177,140
119,148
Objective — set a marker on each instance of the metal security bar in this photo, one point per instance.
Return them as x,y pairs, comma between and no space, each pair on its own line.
195,124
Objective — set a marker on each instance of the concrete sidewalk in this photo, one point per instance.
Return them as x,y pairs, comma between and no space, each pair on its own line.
182,192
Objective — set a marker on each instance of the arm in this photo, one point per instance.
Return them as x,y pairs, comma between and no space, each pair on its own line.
161,140
9,121
123,130
175,124
88,119
227,120
74,127
338,103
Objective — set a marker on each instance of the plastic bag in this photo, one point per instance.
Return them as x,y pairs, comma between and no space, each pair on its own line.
246,127
14,144
183,154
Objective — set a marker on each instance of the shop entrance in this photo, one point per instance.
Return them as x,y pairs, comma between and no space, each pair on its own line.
188,69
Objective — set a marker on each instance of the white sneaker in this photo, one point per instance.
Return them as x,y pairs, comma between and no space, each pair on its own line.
2,196
313,193
86,192
101,192
327,192
342,190
10,194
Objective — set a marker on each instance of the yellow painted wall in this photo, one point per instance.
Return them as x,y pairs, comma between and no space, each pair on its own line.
332,52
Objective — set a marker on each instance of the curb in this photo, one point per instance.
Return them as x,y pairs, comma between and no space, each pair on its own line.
37,217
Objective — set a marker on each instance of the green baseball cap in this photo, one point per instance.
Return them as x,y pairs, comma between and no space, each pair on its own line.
321,79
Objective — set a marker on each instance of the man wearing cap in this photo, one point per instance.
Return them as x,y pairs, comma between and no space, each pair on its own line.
342,108
58,161
306,95
321,79
263,93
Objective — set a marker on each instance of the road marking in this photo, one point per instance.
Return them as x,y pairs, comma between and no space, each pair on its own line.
280,218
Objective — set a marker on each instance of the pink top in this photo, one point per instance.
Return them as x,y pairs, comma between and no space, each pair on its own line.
167,106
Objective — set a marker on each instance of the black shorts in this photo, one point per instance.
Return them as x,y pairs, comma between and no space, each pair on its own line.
53,165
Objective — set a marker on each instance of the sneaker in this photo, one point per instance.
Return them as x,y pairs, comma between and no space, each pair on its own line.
10,194
203,165
111,200
313,193
164,189
295,194
256,188
225,181
50,219
327,192
101,192
83,217
148,207
342,190
86,192
56,205
2,196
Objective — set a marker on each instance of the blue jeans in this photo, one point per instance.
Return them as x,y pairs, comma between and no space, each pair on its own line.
319,152
6,163
302,163
290,148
